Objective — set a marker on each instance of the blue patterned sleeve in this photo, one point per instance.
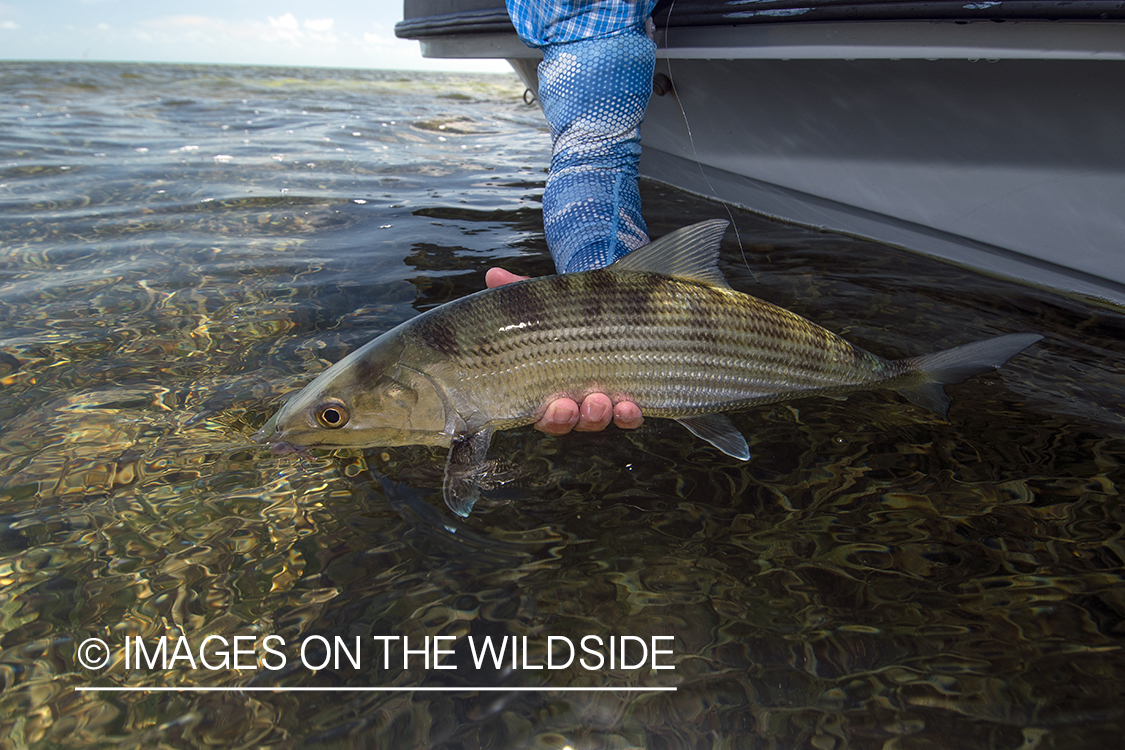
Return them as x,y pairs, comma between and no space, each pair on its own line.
543,22
594,84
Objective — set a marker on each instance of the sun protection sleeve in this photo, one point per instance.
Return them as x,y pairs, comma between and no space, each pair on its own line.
543,22
594,90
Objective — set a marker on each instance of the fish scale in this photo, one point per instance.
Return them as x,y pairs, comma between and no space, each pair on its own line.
660,327
692,349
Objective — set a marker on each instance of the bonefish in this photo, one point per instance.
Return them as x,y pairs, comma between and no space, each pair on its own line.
660,327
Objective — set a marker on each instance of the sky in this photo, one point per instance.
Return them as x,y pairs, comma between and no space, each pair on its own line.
317,33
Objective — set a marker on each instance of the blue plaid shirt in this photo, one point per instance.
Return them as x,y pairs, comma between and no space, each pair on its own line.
543,22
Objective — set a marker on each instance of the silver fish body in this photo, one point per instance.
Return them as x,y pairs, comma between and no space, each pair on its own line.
660,327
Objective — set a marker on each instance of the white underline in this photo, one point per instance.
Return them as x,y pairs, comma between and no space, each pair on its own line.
377,689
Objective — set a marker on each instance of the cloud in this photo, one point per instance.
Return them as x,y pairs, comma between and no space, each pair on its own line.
285,28
316,31
322,25
190,24
7,24
363,39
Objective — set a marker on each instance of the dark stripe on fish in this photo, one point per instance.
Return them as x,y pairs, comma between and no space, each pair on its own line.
598,286
369,369
702,319
639,308
438,332
522,303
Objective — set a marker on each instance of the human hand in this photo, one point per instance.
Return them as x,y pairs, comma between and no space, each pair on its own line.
564,414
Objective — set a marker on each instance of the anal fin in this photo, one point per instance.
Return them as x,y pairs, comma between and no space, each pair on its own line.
718,430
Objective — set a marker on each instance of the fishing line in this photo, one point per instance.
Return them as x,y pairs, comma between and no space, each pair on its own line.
694,151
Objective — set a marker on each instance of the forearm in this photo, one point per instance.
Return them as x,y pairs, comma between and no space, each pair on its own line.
594,84
594,94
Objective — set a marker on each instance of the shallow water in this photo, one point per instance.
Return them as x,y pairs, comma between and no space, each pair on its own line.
181,247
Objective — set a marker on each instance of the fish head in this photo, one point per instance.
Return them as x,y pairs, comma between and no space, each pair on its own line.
370,398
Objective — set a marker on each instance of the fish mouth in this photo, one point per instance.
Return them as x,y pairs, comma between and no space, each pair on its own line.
266,433
280,448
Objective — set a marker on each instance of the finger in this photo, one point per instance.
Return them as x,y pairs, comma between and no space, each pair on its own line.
595,414
627,415
560,417
499,277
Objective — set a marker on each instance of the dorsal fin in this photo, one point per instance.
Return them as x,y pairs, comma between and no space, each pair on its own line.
688,253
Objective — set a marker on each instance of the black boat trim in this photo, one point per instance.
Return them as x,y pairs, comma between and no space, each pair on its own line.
686,13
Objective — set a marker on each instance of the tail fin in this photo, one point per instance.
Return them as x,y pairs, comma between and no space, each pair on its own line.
954,365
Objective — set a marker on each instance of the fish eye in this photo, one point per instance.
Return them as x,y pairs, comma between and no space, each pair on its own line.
332,414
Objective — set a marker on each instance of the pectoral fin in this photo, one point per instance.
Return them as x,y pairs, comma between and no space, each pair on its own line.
463,469
717,430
